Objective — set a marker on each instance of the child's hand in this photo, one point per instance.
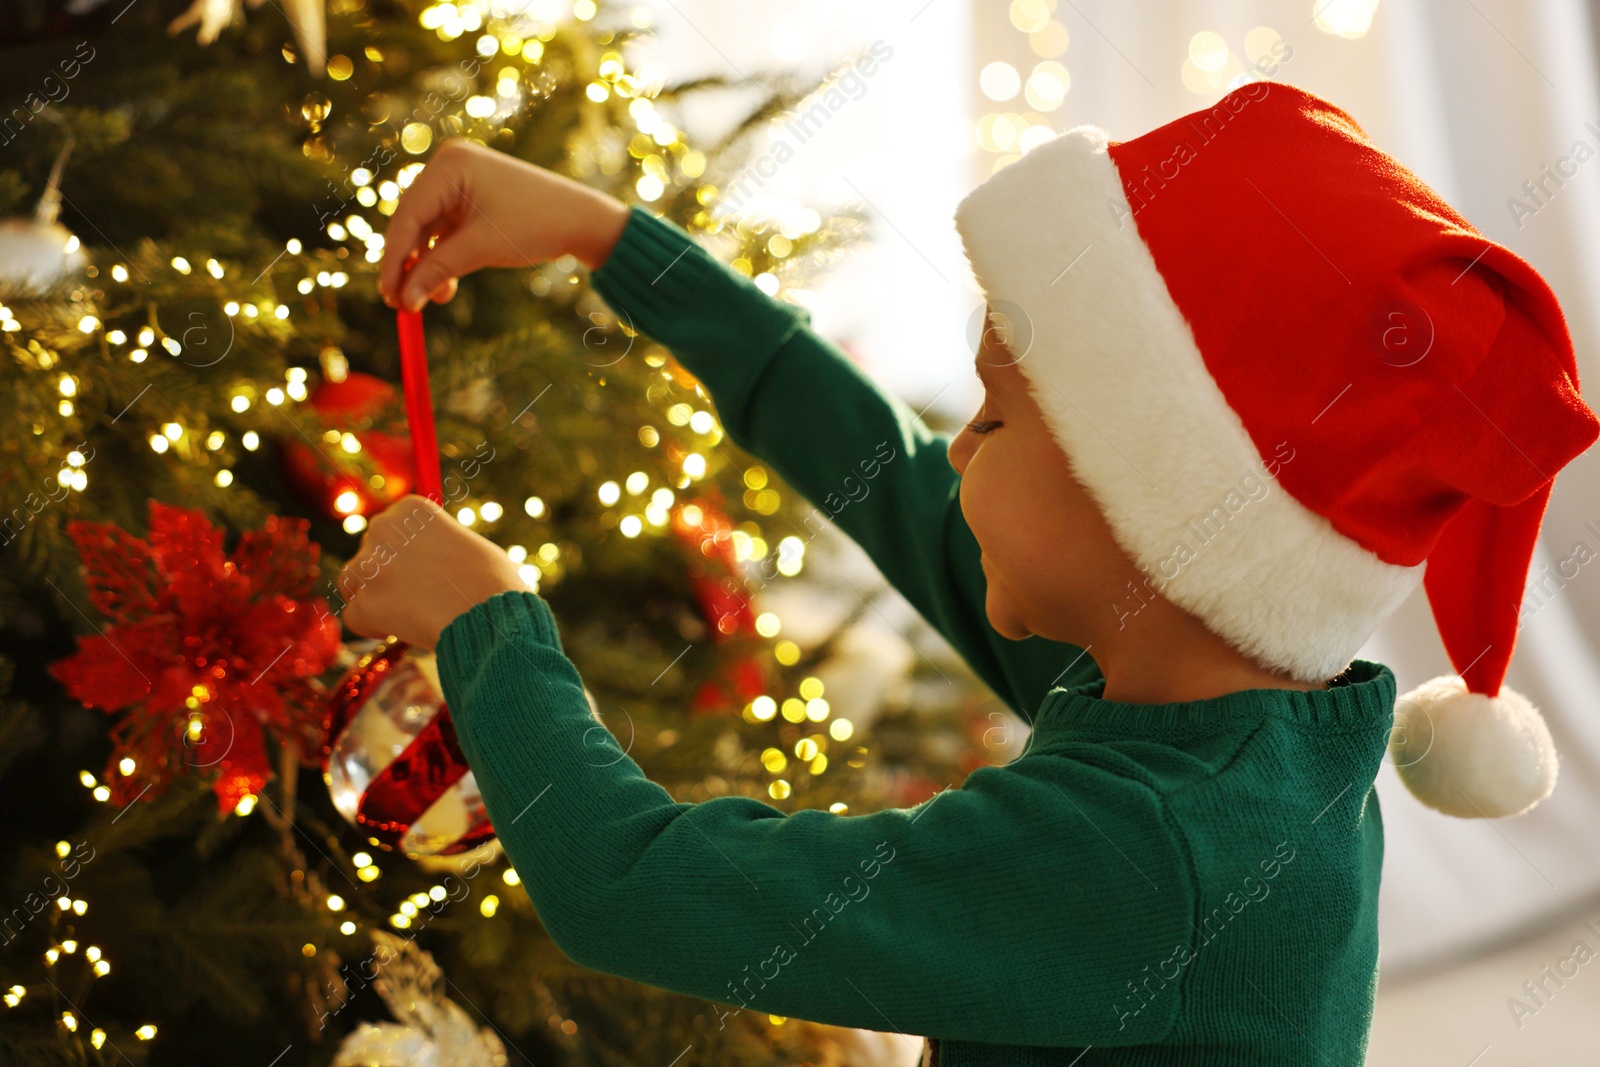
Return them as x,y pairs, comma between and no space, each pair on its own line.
417,569
489,209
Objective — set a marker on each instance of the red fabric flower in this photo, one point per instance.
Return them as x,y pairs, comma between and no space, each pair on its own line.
207,654
715,576
744,680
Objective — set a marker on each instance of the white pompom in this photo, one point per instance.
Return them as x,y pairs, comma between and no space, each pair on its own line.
1471,755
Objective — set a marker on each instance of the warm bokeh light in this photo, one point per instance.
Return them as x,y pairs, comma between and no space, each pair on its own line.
1208,50
1344,18
999,81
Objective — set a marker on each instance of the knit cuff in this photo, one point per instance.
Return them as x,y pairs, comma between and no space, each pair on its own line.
663,284
514,614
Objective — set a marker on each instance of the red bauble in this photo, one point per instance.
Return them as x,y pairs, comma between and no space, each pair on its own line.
392,762
367,407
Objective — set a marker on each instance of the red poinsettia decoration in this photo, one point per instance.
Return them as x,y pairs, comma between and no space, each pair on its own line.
715,574
744,680
208,655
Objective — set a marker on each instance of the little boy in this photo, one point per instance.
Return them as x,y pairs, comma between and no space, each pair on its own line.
1183,867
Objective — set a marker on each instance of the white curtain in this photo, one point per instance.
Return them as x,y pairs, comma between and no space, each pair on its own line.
1480,102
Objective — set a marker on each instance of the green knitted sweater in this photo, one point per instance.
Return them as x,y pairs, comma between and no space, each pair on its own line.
1189,883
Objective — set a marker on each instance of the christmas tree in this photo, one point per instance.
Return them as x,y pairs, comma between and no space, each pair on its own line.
201,409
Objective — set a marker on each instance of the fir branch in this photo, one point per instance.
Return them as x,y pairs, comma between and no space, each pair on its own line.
21,726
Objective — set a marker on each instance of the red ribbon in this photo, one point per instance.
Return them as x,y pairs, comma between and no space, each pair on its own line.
419,400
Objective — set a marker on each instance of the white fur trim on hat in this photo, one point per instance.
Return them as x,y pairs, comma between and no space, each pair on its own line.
1472,755
1117,374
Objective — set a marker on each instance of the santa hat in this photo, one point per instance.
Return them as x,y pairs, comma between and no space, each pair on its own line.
1297,383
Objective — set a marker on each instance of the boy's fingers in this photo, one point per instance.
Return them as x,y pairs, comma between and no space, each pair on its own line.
349,584
429,199
438,268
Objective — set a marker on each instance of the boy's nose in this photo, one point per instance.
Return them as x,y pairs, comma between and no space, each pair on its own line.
959,451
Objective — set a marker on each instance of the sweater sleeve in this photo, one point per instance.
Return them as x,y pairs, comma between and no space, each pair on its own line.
861,457
1024,907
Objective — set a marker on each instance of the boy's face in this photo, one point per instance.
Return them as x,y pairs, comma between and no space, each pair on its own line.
1049,557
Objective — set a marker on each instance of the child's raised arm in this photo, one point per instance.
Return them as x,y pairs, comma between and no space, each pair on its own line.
860,456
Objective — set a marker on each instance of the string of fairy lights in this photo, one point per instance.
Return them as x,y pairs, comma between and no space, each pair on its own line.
95,965
634,506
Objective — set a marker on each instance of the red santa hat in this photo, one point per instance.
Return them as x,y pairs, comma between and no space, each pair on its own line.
1298,383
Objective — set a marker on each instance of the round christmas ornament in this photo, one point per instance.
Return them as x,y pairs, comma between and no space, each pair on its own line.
431,1029
38,252
393,766
392,762
334,481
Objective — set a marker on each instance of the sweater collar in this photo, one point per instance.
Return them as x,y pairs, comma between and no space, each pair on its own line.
1361,697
